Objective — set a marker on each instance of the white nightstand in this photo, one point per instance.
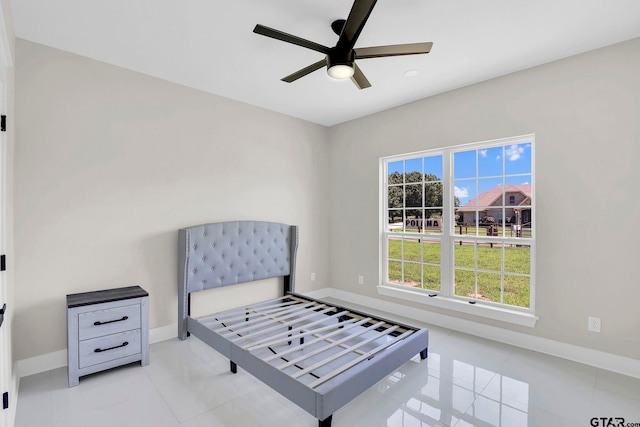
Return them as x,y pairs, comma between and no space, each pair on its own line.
106,329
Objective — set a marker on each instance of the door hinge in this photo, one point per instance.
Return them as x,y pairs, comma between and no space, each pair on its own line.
3,123
5,400
3,262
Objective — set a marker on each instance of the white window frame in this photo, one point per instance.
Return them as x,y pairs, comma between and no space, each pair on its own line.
446,297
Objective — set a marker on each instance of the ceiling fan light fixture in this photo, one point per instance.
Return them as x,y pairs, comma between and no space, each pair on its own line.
341,71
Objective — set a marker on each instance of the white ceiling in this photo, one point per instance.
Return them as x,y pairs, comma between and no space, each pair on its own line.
209,44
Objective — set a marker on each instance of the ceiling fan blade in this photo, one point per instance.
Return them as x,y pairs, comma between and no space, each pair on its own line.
359,79
358,16
393,50
289,38
303,72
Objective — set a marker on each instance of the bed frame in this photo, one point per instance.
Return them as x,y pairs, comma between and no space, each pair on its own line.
318,355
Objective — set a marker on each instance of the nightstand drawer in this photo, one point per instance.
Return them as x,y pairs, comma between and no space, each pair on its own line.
110,321
110,347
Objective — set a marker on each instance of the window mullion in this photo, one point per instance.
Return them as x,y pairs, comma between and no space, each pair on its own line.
446,245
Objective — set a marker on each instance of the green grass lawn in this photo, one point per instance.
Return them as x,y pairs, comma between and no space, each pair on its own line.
423,269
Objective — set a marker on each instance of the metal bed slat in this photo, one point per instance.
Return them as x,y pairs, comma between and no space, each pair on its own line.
263,331
329,345
241,312
262,304
343,352
354,362
265,319
238,313
340,328
287,335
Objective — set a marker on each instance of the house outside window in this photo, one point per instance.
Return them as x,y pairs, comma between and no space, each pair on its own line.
458,224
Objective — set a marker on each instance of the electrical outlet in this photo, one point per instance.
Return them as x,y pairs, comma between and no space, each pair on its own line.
594,324
360,280
313,277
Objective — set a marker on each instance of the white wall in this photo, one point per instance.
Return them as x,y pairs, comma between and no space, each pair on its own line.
111,163
585,112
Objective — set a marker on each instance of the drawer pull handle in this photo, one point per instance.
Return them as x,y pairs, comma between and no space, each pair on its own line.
98,323
100,350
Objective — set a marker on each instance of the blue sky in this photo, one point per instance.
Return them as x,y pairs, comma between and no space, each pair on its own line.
515,159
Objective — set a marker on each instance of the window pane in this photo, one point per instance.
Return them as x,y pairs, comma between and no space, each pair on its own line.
465,283
396,178
395,272
395,197
413,221
433,166
490,190
464,164
517,259
413,195
433,194
412,249
490,162
467,220
489,287
394,245
433,222
490,258
516,290
464,254
527,227
395,219
431,251
431,275
413,170
464,192
396,167
518,159
412,274
464,197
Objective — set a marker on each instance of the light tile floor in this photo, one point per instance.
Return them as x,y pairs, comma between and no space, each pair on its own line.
466,381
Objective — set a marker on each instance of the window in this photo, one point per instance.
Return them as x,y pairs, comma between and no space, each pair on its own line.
459,224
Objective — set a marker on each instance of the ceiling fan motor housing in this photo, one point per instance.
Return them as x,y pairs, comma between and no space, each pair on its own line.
335,57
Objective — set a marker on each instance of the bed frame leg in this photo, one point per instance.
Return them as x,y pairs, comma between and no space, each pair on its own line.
424,354
234,367
326,422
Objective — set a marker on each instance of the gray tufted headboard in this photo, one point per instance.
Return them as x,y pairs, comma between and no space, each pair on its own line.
228,253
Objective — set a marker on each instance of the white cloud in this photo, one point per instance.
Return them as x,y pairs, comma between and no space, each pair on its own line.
483,153
514,152
461,193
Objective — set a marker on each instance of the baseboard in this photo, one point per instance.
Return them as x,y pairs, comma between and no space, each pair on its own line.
599,359
163,333
42,363
58,359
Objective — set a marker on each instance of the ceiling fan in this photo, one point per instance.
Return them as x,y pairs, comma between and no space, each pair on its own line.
340,59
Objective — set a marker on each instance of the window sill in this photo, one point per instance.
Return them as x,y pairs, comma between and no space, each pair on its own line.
490,312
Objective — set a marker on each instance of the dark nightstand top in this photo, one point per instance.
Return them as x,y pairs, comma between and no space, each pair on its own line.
107,295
